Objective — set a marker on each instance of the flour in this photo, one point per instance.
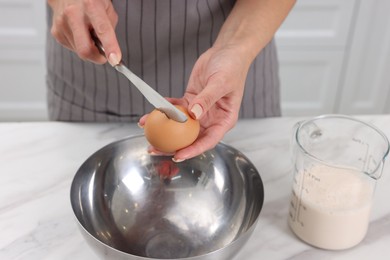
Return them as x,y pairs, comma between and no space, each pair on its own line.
334,207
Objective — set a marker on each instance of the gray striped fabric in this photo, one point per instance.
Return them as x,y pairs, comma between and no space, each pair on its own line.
160,41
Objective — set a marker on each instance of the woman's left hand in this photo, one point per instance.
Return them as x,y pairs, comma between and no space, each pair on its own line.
213,96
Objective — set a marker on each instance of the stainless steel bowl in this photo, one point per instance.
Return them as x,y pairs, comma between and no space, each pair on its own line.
131,205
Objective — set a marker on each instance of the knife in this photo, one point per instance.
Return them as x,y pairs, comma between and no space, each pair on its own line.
154,98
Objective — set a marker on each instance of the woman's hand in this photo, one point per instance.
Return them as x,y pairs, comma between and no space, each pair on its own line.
213,96
74,19
216,85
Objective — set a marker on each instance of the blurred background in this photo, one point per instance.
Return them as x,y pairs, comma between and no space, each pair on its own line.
334,58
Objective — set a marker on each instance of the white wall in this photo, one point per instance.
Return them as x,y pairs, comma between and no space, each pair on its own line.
22,38
334,56
365,86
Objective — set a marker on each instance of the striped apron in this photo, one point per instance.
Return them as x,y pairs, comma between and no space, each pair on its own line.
160,41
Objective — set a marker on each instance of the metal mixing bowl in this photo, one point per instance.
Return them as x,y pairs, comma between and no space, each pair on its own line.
132,205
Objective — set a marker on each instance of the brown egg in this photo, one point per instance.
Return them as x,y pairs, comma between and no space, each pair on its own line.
167,135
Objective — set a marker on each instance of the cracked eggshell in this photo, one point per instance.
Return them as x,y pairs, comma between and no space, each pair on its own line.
167,135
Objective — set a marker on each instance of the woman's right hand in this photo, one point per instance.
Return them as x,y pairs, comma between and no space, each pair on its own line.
74,19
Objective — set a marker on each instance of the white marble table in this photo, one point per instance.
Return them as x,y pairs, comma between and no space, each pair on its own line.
38,161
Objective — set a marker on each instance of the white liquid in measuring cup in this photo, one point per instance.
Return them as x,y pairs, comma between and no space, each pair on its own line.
330,207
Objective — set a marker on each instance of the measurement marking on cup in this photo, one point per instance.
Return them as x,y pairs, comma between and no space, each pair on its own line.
293,210
299,199
364,160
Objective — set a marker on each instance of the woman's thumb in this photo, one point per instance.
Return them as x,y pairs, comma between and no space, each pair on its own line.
205,100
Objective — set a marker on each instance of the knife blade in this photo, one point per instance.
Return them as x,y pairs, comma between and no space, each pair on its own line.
152,95
154,98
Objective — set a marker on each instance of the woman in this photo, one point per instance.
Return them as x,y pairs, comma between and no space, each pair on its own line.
215,57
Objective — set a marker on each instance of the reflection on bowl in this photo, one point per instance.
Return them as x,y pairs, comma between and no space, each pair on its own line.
131,205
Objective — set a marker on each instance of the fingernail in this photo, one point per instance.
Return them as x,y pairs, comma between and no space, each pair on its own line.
140,126
197,110
178,160
113,59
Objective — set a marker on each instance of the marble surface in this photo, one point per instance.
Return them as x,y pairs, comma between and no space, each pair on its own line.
38,161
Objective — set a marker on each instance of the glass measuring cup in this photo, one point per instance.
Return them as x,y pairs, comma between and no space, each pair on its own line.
337,161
